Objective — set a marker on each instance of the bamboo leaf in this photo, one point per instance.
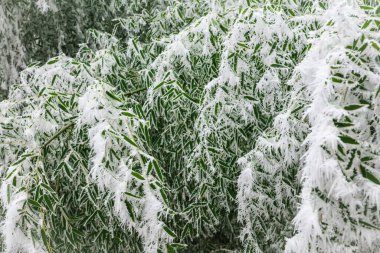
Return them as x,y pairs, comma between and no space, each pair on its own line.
113,96
348,140
137,175
169,231
367,174
352,107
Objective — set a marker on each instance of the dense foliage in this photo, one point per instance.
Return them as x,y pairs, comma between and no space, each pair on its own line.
199,126
35,30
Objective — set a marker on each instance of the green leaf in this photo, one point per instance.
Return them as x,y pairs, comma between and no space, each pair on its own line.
113,96
169,231
63,108
178,245
330,23
297,109
366,224
158,170
118,62
150,167
54,79
42,91
102,218
366,7
34,203
378,91
52,61
8,193
48,202
367,174
243,45
276,65
291,12
366,159
366,24
170,249
336,80
130,210
375,45
348,140
135,45
128,114
213,150
224,29
352,107
250,98
159,85
45,240
10,174
47,187
133,195
18,161
137,175
343,124
362,48
130,141
162,83
164,196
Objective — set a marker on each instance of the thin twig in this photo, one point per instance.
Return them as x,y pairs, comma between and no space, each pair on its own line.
63,129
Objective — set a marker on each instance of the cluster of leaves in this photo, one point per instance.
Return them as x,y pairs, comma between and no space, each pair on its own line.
36,30
202,121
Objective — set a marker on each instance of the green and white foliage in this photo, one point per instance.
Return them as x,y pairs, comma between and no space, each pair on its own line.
249,126
11,47
102,177
35,30
339,210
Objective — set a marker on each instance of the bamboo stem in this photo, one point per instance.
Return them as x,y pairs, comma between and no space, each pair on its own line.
63,129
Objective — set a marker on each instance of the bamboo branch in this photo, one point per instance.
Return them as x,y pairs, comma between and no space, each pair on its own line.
63,129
